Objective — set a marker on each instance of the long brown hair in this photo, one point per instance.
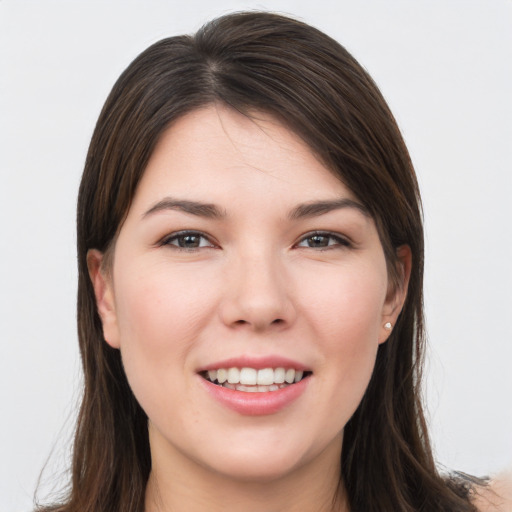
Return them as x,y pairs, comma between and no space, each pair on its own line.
258,62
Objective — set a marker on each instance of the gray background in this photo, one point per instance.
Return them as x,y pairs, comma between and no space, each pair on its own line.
445,68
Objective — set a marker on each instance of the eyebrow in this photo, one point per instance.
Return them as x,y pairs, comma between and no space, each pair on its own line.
207,210
317,208
211,211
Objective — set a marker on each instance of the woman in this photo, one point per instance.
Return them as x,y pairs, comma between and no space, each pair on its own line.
250,286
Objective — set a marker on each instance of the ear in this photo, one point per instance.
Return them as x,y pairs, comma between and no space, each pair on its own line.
104,292
397,292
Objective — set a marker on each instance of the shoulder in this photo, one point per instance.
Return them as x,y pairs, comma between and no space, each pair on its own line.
496,496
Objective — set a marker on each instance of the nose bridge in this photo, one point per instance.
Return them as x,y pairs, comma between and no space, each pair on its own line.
257,293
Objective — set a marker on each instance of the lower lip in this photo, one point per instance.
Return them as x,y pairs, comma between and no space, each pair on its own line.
256,404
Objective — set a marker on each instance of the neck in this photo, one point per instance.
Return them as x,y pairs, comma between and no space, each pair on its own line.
179,484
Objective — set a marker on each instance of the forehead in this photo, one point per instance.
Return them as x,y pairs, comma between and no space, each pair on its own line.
218,153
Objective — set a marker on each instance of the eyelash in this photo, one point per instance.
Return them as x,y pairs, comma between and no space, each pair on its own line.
338,239
182,235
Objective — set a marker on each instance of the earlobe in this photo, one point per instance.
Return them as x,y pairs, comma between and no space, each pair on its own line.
104,293
397,292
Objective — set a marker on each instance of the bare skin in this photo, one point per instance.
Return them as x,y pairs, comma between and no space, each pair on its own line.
497,497
217,460
304,490
239,244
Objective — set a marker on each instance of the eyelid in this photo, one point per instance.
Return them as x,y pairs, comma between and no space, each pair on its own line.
342,241
167,239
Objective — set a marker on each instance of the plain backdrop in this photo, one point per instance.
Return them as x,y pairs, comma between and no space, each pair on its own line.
445,67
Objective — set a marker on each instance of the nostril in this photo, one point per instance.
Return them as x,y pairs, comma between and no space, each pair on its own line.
277,321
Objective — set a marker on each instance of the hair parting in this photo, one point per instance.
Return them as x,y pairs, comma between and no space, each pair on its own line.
258,62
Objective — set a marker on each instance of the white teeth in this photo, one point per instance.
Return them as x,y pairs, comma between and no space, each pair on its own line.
279,375
248,389
254,389
251,380
266,377
248,376
290,376
233,375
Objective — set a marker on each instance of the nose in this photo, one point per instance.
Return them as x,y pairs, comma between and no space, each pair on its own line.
258,295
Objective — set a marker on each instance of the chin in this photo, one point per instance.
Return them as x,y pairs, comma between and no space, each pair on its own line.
255,469
261,460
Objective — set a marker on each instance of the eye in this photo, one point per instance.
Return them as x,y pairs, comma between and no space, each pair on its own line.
322,240
188,240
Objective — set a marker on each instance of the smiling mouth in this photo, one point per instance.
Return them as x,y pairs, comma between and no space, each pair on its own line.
251,380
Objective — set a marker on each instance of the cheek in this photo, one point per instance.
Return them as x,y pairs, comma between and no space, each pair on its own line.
346,305
162,307
160,318
346,315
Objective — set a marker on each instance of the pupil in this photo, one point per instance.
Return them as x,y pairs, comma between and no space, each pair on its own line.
189,241
318,241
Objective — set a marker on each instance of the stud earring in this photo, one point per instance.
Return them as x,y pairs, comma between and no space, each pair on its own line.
388,326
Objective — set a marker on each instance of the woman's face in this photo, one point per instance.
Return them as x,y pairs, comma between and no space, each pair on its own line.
243,255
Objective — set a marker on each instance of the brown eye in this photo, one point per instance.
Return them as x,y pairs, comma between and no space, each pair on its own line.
317,241
322,241
188,240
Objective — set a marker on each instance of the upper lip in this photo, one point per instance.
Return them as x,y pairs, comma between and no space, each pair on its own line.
258,363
